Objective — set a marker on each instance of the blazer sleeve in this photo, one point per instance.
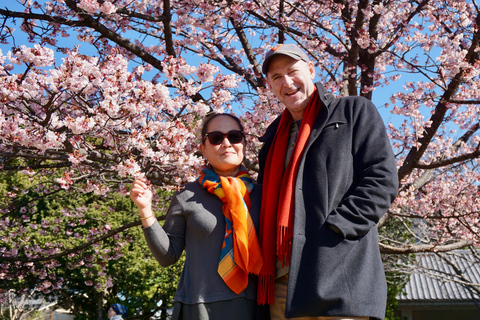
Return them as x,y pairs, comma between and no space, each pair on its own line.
167,243
375,183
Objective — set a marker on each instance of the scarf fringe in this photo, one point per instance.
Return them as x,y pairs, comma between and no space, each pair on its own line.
266,292
284,244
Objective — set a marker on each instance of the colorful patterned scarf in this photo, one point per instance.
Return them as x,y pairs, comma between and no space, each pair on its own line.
278,201
241,252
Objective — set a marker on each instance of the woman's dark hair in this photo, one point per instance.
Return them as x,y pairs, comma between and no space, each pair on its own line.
212,116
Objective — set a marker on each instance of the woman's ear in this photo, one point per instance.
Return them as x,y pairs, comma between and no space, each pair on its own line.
202,149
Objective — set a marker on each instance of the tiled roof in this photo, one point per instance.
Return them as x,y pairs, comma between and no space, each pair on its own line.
435,280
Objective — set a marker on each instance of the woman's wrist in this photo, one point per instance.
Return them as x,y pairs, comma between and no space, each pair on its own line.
146,211
146,217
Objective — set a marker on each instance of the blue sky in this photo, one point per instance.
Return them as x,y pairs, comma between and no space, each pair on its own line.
380,95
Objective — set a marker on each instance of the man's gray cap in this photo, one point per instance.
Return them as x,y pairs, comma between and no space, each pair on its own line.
291,50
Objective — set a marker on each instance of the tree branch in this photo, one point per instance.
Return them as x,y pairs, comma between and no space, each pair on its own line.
389,249
78,248
43,17
415,154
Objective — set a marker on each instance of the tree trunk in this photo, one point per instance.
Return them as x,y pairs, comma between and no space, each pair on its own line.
100,306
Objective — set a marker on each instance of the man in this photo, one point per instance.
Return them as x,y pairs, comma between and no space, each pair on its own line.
329,175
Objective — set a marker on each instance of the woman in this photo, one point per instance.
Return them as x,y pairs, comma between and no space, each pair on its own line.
214,219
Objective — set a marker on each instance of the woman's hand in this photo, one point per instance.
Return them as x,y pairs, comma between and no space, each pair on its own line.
141,194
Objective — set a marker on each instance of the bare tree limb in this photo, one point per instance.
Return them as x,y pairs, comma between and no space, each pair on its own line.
388,249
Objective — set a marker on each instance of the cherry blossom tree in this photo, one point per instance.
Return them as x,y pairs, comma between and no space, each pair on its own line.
81,251
106,91
18,307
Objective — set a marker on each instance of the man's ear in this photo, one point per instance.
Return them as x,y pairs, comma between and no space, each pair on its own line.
269,86
311,68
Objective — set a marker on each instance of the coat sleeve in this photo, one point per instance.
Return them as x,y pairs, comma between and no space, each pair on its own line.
167,243
262,158
267,140
375,183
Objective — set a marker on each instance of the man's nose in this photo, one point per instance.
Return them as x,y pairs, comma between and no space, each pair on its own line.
288,80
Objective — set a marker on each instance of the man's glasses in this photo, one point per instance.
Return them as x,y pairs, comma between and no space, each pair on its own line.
216,137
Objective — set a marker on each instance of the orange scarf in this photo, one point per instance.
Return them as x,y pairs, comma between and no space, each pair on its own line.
240,252
278,201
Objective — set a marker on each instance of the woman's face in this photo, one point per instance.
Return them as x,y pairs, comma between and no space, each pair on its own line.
226,157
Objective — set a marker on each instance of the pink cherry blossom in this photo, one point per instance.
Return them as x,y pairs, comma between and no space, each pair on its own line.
125,98
108,8
91,6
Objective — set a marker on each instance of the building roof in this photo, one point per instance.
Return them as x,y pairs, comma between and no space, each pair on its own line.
435,280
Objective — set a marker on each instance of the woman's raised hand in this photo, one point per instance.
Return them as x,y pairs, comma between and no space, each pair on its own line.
141,194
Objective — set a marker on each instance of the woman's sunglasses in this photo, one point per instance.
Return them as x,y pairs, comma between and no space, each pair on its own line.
216,137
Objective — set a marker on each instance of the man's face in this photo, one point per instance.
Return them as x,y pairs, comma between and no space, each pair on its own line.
292,83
